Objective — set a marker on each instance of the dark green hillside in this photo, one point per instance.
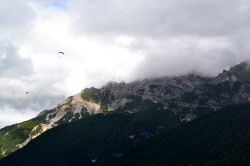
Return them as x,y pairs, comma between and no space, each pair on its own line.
143,139
13,136
101,136
222,138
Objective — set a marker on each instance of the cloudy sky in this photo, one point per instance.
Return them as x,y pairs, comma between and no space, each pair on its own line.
110,40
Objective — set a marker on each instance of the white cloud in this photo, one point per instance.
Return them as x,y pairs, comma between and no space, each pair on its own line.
12,116
111,40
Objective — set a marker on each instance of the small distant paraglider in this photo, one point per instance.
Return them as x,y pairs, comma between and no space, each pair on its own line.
93,160
61,53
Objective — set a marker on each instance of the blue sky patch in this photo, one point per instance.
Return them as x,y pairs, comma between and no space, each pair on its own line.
61,4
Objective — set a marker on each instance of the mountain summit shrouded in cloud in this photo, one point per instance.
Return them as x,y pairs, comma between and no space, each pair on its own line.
110,40
135,112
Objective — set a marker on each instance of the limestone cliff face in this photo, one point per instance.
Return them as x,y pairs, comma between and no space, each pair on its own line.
187,96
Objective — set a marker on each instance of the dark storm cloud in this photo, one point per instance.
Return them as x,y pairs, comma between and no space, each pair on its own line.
12,64
15,19
16,77
34,102
176,37
154,18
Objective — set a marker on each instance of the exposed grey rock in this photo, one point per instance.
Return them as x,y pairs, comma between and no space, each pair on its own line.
183,95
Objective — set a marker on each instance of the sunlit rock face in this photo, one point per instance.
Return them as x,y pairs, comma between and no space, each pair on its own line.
188,97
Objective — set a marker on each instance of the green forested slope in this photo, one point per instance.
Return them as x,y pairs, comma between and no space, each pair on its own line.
222,138
100,137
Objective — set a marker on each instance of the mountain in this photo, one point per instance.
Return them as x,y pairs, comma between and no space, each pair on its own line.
71,109
187,97
222,138
95,137
144,138
241,71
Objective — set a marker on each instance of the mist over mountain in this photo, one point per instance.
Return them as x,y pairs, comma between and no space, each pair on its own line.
185,98
102,82
110,40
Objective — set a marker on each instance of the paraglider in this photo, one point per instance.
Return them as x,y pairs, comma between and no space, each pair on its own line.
93,161
61,53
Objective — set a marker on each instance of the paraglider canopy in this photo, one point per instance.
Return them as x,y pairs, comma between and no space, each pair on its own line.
61,52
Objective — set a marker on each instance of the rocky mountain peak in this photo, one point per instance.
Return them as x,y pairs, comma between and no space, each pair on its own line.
188,97
243,66
186,93
241,71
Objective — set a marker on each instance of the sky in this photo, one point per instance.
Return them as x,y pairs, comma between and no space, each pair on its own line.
110,40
